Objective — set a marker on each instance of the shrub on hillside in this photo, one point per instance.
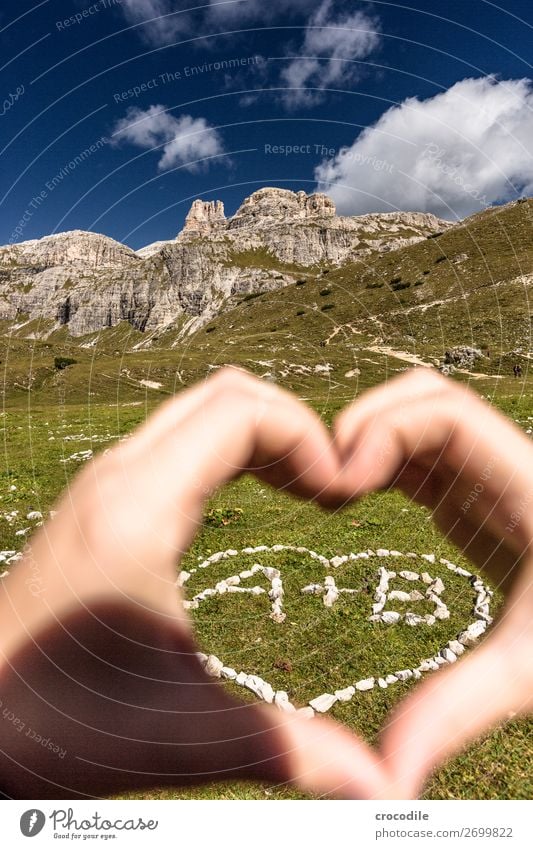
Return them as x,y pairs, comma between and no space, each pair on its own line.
63,362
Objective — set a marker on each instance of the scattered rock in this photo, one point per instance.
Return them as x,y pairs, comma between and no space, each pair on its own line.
323,703
365,684
213,666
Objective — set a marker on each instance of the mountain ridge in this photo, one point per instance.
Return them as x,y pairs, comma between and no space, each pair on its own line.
88,281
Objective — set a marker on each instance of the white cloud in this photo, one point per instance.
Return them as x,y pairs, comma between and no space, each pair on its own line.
329,41
451,154
161,26
181,141
258,10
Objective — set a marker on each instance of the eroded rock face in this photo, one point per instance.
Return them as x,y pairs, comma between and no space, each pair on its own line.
204,217
275,206
89,282
74,248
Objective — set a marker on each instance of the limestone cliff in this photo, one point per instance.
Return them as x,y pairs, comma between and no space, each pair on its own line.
89,282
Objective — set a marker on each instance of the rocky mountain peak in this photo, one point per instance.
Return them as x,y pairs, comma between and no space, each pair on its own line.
281,205
204,217
74,247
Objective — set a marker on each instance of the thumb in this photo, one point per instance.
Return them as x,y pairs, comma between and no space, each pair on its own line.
455,705
324,758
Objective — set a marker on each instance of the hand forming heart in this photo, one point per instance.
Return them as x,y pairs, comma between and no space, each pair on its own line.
101,667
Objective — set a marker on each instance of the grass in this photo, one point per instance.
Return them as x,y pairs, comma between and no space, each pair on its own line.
287,336
325,648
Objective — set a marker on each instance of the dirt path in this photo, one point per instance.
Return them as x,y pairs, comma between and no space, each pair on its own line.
399,355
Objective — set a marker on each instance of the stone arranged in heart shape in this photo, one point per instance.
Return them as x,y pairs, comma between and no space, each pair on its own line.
330,593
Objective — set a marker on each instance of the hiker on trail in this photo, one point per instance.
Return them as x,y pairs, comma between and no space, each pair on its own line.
99,661
517,370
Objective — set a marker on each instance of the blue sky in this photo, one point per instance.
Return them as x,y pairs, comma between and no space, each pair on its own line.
116,114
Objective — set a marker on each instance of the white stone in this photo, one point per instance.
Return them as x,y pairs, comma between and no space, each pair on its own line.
365,684
183,577
277,588
391,679
382,552
390,617
399,595
241,678
429,557
201,657
213,666
448,655
409,576
345,695
33,515
323,703
416,595
254,683
306,712
472,633
281,700
437,586
382,683
427,579
228,672
267,692
338,561
331,597
277,613
233,580
314,589
456,647
404,674
414,619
